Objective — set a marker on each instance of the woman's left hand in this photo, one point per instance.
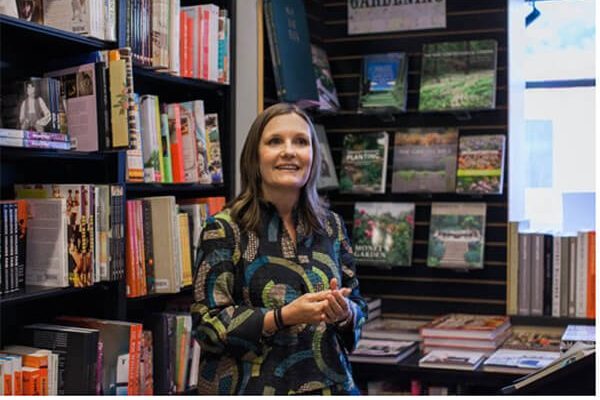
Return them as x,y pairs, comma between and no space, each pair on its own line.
337,308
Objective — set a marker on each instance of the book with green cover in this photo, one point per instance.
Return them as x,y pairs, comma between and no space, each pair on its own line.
364,163
456,235
458,76
384,82
480,164
383,234
425,160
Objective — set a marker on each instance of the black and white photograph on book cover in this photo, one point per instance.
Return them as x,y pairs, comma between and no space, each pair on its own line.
30,10
34,114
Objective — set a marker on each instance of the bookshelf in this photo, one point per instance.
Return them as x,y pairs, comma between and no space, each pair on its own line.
28,49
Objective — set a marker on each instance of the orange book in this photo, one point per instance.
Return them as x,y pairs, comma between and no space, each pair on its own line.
31,381
189,21
8,384
176,143
130,259
591,276
183,45
135,343
141,266
215,204
18,383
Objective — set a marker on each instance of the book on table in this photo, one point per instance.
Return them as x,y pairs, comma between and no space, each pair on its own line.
470,326
382,351
452,359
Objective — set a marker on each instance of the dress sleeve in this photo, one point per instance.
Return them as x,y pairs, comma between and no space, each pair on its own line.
350,333
222,323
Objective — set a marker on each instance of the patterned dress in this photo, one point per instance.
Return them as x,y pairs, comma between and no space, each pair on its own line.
242,275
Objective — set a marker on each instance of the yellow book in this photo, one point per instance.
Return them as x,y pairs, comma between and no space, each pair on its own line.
184,233
119,102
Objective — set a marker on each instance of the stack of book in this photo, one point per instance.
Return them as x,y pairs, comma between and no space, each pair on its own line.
466,332
374,307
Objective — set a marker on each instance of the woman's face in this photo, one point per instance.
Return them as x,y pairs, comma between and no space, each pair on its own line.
285,153
30,90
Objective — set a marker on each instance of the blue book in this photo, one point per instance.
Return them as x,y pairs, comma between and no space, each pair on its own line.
289,42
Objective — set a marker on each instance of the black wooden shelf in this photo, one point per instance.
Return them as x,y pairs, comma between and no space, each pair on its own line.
154,296
42,292
549,321
173,189
24,152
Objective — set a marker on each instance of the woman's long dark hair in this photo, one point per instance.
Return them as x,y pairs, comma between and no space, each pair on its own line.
244,208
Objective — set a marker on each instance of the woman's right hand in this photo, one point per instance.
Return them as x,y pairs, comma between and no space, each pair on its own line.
306,309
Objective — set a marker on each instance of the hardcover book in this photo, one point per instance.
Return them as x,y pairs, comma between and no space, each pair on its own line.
425,160
384,82
452,359
456,235
364,163
382,351
328,178
328,99
534,338
393,329
213,143
383,234
473,326
289,42
480,164
519,361
458,76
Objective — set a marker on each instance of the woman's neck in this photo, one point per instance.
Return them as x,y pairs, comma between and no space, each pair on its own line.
284,201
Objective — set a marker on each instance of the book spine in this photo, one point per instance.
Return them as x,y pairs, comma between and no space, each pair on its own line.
548,272
572,275
143,290
564,276
524,295
166,147
513,269
591,277
129,254
537,275
556,275
581,275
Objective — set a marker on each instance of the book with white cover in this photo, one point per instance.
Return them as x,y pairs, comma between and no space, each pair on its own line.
519,361
393,329
382,351
452,359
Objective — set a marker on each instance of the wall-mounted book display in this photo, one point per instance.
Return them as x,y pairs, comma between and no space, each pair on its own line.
364,163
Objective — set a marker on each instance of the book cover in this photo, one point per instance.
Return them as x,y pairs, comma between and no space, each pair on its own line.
456,235
393,329
452,359
425,160
289,41
33,108
196,109
213,143
577,333
519,361
480,164
395,16
458,76
31,10
328,99
539,338
364,163
472,326
383,233
382,351
189,146
384,82
328,178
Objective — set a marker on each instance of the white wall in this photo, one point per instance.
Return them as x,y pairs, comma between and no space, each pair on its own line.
246,74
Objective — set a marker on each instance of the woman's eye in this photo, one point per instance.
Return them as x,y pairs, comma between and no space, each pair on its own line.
303,141
273,141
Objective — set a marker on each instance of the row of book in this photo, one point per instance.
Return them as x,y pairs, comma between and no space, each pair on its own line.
426,160
383,234
552,275
62,235
161,241
191,41
455,76
87,356
180,142
95,18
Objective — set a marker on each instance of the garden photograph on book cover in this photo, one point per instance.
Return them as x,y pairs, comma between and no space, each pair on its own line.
364,163
458,76
383,233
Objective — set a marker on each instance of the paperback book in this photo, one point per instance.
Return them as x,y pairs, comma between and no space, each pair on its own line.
452,359
425,160
480,164
383,234
328,178
519,361
328,99
456,235
364,163
382,351
458,76
384,82
534,338
393,329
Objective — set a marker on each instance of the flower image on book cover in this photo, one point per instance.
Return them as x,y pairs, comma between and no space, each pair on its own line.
458,76
383,234
384,82
425,160
480,164
456,235
364,163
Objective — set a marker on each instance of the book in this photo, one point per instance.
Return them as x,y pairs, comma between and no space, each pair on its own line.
213,148
393,329
458,76
480,164
538,338
383,233
289,43
577,333
456,235
519,361
395,16
425,160
82,17
384,82
364,163
31,10
328,99
382,351
483,345
468,326
452,359
328,178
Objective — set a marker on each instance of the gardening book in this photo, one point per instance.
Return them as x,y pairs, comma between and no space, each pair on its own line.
328,178
384,82
328,99
480,164
425,160
458,76
456,235
364,163
383,234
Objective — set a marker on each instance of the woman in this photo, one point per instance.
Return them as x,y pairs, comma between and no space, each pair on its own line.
34,114
277,304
